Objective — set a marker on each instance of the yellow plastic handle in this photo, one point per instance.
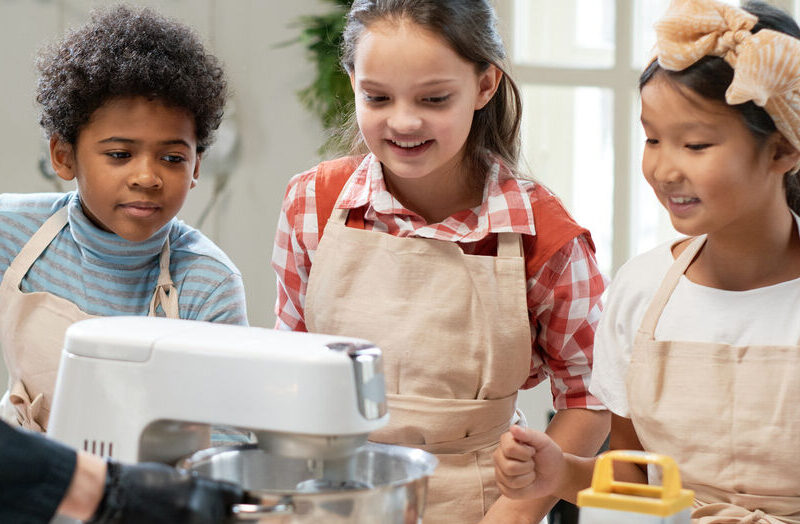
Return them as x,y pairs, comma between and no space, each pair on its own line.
603,478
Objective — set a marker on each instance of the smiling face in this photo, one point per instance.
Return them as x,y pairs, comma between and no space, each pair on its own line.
705,166
415,98
134,163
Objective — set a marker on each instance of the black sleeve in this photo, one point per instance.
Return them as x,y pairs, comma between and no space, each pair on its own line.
35,472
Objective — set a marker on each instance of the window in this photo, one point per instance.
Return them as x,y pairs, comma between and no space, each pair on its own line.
577,63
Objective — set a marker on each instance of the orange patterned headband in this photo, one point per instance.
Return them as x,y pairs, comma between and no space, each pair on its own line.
766,64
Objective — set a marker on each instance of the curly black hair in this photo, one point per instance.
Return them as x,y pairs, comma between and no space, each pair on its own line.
123,52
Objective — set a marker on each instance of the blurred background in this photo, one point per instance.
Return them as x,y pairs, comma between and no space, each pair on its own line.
576,61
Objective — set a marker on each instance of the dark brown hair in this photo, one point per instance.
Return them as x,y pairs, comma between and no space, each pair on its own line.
121,52
710,77
469,27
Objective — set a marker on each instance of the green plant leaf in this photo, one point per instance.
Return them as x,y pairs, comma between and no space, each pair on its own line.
329,96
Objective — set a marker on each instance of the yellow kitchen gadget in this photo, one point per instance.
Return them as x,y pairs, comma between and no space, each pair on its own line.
609,501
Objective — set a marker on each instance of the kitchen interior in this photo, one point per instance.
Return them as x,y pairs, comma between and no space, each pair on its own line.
576,61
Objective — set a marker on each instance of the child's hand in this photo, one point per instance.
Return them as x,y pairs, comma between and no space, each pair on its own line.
527,464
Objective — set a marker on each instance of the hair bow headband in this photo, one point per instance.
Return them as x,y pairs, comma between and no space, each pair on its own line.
766,65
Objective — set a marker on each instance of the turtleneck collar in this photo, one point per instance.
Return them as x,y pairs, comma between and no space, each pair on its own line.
109,250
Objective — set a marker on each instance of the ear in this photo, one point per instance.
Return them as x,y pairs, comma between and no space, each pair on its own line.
488,82
352,81
62,158
785,156
196,172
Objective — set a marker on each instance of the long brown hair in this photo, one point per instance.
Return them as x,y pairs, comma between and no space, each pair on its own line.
470,28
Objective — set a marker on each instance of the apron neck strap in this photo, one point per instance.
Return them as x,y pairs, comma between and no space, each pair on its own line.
668,285
509,245
35,246
165,294
339,216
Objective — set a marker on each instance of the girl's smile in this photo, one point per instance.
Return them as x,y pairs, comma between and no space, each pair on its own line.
682,206
410,148
415,99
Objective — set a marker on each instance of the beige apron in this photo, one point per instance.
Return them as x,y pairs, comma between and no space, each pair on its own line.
456,340
32,327
730,417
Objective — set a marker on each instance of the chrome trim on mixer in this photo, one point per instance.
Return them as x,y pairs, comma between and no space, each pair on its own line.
370,385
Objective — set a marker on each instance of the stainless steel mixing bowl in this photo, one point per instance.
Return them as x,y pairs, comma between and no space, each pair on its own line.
376,484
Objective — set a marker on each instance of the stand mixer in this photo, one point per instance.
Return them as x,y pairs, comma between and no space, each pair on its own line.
139,389
147,389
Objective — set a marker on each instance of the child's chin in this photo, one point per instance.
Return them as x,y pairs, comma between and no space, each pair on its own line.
136,236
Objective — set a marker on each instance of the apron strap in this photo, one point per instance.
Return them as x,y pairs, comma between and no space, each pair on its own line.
509,245
22,263
28,411
437,421
671,279
165,293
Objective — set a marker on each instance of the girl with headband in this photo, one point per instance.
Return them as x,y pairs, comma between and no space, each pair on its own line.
698,351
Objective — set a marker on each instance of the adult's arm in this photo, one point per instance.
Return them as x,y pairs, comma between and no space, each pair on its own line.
35,473
40,476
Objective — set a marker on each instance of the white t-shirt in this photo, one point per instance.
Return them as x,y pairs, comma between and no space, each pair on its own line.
768,315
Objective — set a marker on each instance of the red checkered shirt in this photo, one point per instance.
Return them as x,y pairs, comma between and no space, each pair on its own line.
563,295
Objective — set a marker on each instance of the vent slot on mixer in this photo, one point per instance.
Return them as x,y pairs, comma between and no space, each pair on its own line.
99,447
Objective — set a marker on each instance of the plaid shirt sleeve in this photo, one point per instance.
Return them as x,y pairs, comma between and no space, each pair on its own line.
295,243
564,302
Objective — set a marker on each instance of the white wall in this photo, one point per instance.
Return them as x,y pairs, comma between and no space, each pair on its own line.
279,136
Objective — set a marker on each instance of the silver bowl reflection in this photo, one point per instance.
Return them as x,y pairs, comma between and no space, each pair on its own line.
376,483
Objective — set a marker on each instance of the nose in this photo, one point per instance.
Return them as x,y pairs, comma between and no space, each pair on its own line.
661,167
145,176
404,119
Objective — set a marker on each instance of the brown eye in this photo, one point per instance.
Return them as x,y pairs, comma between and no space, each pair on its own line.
375,99
118,155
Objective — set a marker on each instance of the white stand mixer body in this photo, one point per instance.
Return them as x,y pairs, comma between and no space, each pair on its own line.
119,375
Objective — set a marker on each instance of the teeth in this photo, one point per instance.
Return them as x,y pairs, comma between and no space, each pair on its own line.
683,200
408,144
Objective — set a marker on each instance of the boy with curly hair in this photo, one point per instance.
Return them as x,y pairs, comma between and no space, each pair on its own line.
130,102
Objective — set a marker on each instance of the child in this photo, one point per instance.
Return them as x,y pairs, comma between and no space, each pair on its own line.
697,351
130,102
473,282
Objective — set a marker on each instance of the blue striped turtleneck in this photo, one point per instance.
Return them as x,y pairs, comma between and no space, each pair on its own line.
104,274
109,251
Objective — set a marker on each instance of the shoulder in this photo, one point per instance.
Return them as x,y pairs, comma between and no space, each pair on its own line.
210,285
300,194
529,200
325,180
190,247
556,238
531,189
303,182
629,295
639,278
32,205
22,214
